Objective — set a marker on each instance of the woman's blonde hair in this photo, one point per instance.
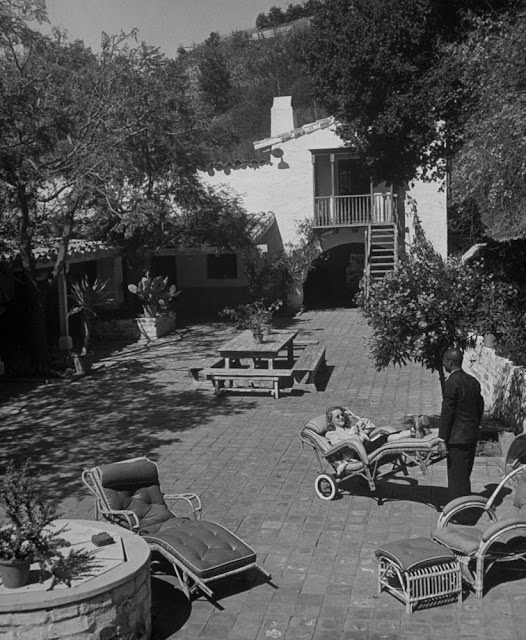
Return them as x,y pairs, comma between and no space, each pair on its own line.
328,415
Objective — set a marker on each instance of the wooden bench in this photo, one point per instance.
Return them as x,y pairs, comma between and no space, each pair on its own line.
306,367
250,375
197,372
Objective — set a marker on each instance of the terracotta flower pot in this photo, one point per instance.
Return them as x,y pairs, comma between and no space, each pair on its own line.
295,296
14,573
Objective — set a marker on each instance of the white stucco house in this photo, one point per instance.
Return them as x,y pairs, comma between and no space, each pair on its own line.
311,174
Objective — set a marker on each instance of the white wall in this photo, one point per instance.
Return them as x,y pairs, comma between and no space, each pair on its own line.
285,186
431,205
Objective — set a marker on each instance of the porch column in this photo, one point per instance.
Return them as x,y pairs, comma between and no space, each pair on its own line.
65,342
371,212
314,203
333,191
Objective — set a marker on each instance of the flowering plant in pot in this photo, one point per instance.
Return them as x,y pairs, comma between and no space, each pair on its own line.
27,537
157,298
256,316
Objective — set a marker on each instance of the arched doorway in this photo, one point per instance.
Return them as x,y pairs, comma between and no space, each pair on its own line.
334,278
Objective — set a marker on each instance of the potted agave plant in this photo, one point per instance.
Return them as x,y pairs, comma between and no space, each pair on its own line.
88,299
157,298
28,535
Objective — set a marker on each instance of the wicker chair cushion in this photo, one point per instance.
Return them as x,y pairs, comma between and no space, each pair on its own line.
405,445
414,553
205,548
135,486
318,425
461,538
519,499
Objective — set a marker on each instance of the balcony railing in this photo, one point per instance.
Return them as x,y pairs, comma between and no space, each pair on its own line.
332,211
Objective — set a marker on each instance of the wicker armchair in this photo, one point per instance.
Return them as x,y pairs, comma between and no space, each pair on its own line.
488,538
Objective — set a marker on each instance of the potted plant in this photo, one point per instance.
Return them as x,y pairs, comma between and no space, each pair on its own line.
296,261
255,316
88,299
27,537
157,298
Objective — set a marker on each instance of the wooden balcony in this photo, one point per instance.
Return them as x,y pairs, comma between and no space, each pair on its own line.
346,211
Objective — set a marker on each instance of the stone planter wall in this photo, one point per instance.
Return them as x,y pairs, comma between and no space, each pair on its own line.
503,385
153,328
121,613
115,605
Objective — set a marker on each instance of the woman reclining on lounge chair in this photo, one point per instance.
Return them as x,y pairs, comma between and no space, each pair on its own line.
342,423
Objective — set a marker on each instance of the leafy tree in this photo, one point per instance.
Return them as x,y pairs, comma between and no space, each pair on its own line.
425,306
489,175
101,145
259,70
375,64
262,21
214,77
294,12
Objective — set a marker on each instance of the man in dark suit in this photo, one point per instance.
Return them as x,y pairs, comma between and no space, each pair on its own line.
462,408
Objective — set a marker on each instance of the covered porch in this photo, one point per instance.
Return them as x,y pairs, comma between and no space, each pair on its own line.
344,193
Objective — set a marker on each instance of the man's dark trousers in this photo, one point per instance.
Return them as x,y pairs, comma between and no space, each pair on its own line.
460,459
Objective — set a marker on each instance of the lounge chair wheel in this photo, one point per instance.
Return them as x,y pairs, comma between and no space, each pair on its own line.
325,487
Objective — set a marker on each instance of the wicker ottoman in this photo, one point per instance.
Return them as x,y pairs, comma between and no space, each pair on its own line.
419,571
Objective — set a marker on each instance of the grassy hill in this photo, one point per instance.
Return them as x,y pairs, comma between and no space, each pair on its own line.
234,79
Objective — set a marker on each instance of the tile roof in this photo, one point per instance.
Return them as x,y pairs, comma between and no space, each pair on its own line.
46,252
294,133
260,223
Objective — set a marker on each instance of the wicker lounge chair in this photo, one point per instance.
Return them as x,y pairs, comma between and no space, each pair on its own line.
490,539
386,460
128,494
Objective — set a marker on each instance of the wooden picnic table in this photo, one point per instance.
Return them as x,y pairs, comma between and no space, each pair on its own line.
245,345
272,361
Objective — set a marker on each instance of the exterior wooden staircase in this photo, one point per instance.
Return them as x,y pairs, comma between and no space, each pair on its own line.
381,250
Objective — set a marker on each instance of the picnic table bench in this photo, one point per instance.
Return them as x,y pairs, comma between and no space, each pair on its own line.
245,378
306,366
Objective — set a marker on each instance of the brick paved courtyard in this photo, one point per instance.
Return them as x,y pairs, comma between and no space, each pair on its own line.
242,454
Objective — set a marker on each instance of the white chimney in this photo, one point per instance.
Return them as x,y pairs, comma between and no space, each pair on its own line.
282,116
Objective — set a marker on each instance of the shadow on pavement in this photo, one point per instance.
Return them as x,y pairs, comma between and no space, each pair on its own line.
130,405
393,490
171,608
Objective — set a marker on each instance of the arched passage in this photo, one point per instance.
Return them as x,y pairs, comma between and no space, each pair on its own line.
334,277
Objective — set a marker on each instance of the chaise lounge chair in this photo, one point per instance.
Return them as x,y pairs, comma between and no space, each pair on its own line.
421,451
490,539
128,494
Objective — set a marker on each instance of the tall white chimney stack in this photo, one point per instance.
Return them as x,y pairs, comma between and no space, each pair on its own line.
282,116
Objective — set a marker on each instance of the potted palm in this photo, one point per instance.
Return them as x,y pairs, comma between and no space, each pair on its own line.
88,299
28,536
157,298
